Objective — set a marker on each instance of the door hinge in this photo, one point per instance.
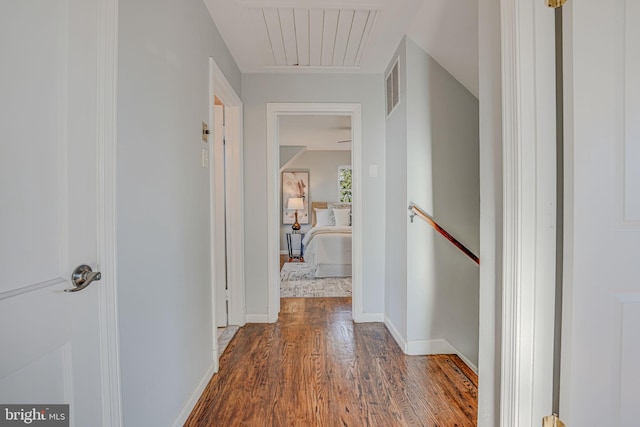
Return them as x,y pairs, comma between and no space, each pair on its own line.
226,294
552,421
556,3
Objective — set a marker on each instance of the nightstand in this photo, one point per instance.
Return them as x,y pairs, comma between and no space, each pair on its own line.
295,246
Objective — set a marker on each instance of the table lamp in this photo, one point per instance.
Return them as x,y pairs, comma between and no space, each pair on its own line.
295,203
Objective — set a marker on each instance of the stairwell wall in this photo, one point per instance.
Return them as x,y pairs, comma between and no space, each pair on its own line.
442,177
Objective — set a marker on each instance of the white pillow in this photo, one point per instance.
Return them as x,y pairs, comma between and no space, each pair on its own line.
322,217
342,216
338,205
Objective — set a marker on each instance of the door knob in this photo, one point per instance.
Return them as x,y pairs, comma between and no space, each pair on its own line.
82,277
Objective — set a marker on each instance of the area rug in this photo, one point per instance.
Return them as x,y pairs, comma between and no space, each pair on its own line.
297,281
224,337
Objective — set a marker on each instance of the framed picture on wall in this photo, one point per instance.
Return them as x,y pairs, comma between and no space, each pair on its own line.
295,185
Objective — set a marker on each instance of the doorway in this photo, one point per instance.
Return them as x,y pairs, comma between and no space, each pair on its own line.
274,113
226,204
315,238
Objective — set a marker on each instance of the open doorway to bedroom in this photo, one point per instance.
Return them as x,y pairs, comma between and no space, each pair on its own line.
316,182
318,200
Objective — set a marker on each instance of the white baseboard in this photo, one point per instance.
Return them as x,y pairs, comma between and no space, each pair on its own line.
395,334
369,318
423,347
426,347
193,399
437,346
257,318
473,367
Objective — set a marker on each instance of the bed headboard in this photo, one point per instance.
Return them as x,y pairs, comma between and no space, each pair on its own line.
323,205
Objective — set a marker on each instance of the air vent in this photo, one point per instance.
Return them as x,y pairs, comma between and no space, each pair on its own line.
393,89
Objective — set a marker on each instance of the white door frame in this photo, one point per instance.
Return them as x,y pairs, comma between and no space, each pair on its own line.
274,111
528,95
107,85
220,87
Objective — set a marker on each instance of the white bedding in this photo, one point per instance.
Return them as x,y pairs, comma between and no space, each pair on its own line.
327,250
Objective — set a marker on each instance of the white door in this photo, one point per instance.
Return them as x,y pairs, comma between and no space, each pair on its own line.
48,168
601,314
220,232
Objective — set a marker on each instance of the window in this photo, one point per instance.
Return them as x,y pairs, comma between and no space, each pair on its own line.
344,183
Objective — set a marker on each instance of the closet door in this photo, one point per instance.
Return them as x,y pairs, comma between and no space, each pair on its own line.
601,337
48,208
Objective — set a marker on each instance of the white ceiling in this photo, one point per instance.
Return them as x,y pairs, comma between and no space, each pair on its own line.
347,35
303,37
316,132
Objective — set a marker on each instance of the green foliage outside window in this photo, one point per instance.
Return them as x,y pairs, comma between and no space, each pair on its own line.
344,179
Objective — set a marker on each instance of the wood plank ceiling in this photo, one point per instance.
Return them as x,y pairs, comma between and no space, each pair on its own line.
318,37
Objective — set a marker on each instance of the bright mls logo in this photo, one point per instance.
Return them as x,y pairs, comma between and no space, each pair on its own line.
34,415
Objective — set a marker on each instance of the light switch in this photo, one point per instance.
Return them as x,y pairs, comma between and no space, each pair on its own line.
205,158
373,171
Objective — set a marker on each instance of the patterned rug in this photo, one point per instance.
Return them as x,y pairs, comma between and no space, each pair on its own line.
224,338
296,281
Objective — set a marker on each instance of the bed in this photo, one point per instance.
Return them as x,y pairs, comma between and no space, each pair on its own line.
327,246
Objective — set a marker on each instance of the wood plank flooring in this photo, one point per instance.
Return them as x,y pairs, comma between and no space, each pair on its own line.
315,367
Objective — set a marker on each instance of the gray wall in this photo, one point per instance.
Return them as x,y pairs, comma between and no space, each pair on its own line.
260,89
396,206
288,152
439,125
323,180
164,283
443,136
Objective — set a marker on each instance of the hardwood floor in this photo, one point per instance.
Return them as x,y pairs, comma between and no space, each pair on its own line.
315,367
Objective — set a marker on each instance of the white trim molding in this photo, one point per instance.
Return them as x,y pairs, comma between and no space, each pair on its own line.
193,399
371,317
274,111
391,327
425,347
258,318
107,84
437,346
528,73
235,214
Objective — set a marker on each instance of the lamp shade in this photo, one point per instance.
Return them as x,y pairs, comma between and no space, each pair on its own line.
295,203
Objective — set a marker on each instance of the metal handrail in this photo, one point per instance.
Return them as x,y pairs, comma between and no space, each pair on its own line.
422,214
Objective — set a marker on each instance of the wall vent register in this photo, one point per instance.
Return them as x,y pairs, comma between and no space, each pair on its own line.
392,88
